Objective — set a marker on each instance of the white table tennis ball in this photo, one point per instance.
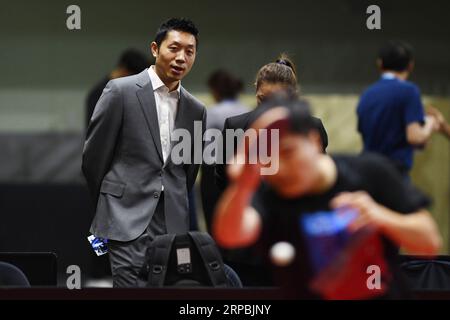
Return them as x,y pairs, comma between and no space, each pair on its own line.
282,253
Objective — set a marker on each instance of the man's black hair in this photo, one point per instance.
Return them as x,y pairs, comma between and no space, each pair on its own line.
178,24
133,60
299,119
396,56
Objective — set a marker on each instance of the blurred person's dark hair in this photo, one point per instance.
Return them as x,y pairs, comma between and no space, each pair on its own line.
282,71
224,85
178,24
299,119
396,56
133,61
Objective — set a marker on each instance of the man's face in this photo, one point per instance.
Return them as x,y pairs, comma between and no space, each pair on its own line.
297,173
175,56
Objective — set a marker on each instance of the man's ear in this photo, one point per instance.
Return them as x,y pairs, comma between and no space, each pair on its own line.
154,48
379,64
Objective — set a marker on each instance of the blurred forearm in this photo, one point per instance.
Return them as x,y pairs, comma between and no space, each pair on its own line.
417,232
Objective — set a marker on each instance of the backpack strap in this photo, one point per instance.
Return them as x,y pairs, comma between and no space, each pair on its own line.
158,259
211,258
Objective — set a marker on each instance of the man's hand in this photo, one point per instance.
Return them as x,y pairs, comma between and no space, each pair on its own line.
444,127
435,125
370,213
245,175
432,111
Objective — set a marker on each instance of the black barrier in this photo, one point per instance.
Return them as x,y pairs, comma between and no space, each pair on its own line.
48,218
426,274
40,268
275,294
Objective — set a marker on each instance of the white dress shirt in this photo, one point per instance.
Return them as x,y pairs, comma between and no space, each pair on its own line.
166,107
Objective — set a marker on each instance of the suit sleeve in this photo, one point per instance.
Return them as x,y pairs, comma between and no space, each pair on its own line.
220,167
192,169
101,138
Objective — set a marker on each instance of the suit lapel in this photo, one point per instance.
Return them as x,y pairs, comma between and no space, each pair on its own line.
182,118
148,105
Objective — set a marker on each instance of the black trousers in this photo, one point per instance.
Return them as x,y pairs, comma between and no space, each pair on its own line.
127,258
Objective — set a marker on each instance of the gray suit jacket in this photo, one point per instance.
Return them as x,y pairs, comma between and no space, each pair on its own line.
123,162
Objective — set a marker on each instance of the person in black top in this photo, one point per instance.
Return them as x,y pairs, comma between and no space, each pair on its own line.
274,79
225,89
268,209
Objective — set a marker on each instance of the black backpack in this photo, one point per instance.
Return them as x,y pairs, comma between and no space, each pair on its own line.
183,260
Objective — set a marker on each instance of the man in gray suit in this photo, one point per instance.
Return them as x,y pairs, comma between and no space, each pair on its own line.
138,191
